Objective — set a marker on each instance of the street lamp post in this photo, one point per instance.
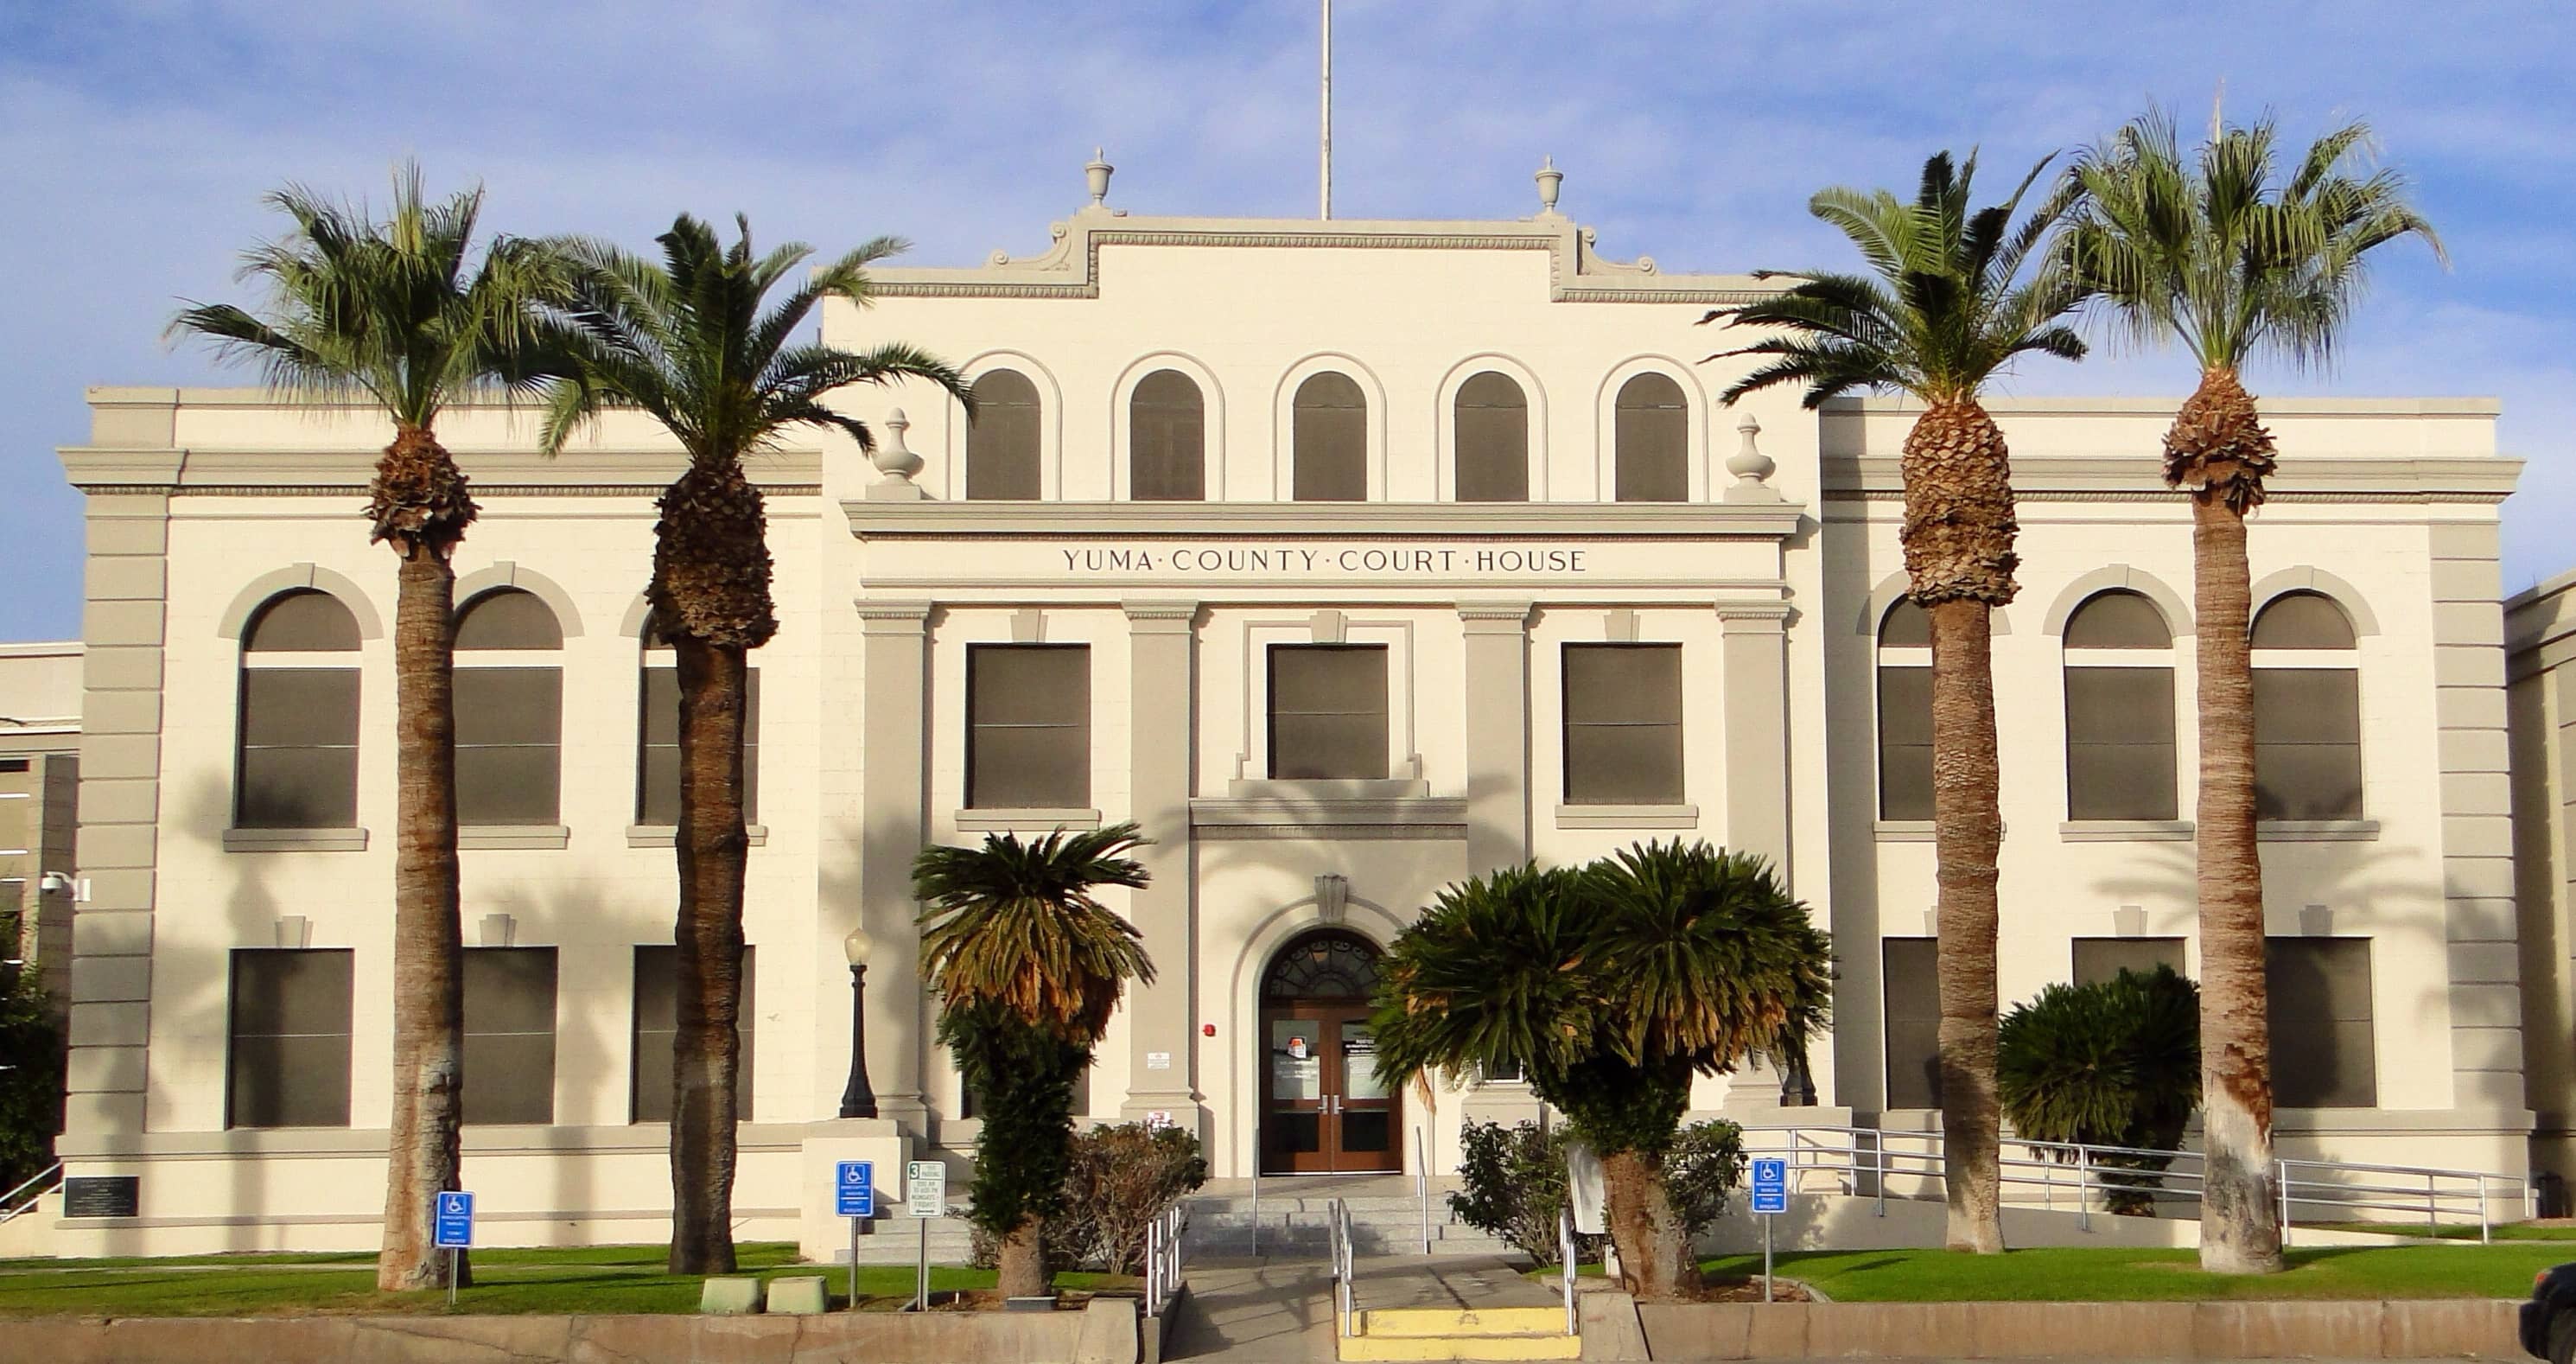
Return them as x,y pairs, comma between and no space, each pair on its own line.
859,1099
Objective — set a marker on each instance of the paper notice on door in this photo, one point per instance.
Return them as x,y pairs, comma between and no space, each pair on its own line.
1158,1060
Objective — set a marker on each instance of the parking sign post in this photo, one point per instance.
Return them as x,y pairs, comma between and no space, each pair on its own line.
854,1196
1770,1197
451,1224
925,1196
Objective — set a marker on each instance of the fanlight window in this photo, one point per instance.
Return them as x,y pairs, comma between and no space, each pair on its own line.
1331,964
1002,440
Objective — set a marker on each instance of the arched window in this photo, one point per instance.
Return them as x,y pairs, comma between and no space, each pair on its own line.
1002,440
1905,713
1167,439
1491,433
297,766
509,710
1330,440
657,757
2307,710
2119,710
1650,441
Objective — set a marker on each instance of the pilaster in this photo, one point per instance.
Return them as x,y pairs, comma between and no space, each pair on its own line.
1755,693
2477,818
894,786
1162,1068
1498,741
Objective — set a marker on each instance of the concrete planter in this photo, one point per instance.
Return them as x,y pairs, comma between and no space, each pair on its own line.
2100,1330
1103,1333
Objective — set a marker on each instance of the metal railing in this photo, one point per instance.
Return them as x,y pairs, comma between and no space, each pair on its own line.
1345,1291
1163,1277
1422,1185
1565,1259
1866,1161
20,1201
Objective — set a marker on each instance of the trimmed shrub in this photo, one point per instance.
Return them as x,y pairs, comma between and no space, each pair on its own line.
1117,1178
1513,1182
2115,1063
31,1084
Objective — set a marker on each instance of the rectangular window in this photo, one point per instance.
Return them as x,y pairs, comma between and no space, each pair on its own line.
657,783
657,1026
17,824
1913,1022
1328,712
1028,726
510,1034
2323,1054
1623,724
1904,743
16,764
509,745
299,748
2307,743
2119,743
2101,959
289,1038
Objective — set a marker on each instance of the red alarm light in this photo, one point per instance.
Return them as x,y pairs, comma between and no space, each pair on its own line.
1207,1030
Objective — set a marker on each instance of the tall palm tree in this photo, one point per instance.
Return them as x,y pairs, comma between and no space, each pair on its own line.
2234,260
1612,986
1028,966
1944,307
685,339
401,313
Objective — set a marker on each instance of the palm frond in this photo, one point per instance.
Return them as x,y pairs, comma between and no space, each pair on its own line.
1016,925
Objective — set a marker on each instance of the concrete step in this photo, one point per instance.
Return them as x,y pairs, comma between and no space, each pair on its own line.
1463,1321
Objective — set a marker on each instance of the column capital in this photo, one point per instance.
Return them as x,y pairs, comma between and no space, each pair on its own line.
1161,616
1495,617
1754,617
883,617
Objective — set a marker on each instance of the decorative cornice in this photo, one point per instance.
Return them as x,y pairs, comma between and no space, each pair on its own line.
1358,520
337,473
1513,613
2473,479
874,609
1070,267
1161,609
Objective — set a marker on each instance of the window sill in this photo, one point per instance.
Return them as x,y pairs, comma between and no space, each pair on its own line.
1902,830
664,836
295,840
2125,831
1032,819
1350,788
1627,816
513,836
2317,831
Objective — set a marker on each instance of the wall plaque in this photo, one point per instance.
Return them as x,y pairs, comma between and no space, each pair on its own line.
103,1196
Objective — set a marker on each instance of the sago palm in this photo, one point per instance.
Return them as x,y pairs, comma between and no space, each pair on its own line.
2113,1063
1028,965
687,339
403,314
1613,986
2234,258
1946,305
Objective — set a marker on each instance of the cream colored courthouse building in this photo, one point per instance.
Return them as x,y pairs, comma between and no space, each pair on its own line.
1349,558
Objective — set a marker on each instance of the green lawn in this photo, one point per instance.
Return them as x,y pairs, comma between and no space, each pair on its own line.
594,1279
2502,1231
2097,1274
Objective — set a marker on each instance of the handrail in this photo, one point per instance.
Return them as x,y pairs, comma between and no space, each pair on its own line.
50,1178
1422,1185
1163,1275
1850,1155
1565,1259
1345,1295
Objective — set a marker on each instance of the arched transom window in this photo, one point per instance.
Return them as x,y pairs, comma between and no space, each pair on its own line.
2119,710
1329,964
1167,439
1330,440
1650,441
1491,432
2307,710
1002,440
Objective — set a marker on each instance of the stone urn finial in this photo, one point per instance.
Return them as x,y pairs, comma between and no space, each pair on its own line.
894,459
1550,179
1751,467
1097,173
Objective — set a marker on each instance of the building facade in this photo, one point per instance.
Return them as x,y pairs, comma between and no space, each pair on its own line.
40,699
1348,559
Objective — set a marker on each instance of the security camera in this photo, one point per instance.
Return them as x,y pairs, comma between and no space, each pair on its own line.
53,880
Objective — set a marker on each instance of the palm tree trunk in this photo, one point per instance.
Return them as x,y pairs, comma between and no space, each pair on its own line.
1967,834
1655,1260
2219,450
1958,534
418,477
706,1053
1020,1261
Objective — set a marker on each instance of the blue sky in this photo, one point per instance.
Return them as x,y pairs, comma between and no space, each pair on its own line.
136,139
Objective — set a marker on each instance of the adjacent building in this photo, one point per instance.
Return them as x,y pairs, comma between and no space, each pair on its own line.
1349,559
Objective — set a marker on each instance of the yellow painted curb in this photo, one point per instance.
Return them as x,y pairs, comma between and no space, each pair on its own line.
1356,1348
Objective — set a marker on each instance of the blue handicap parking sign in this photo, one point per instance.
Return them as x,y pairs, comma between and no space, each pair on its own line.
1766,1200
854,1188
1771,1173
453,1223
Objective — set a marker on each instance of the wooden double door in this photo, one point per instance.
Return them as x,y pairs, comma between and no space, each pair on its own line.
1323,1108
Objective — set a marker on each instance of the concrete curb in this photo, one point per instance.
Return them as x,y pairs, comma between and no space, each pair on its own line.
2450,1328
1103,1333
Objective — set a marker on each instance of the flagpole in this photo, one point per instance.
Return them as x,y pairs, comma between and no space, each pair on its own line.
1328,110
